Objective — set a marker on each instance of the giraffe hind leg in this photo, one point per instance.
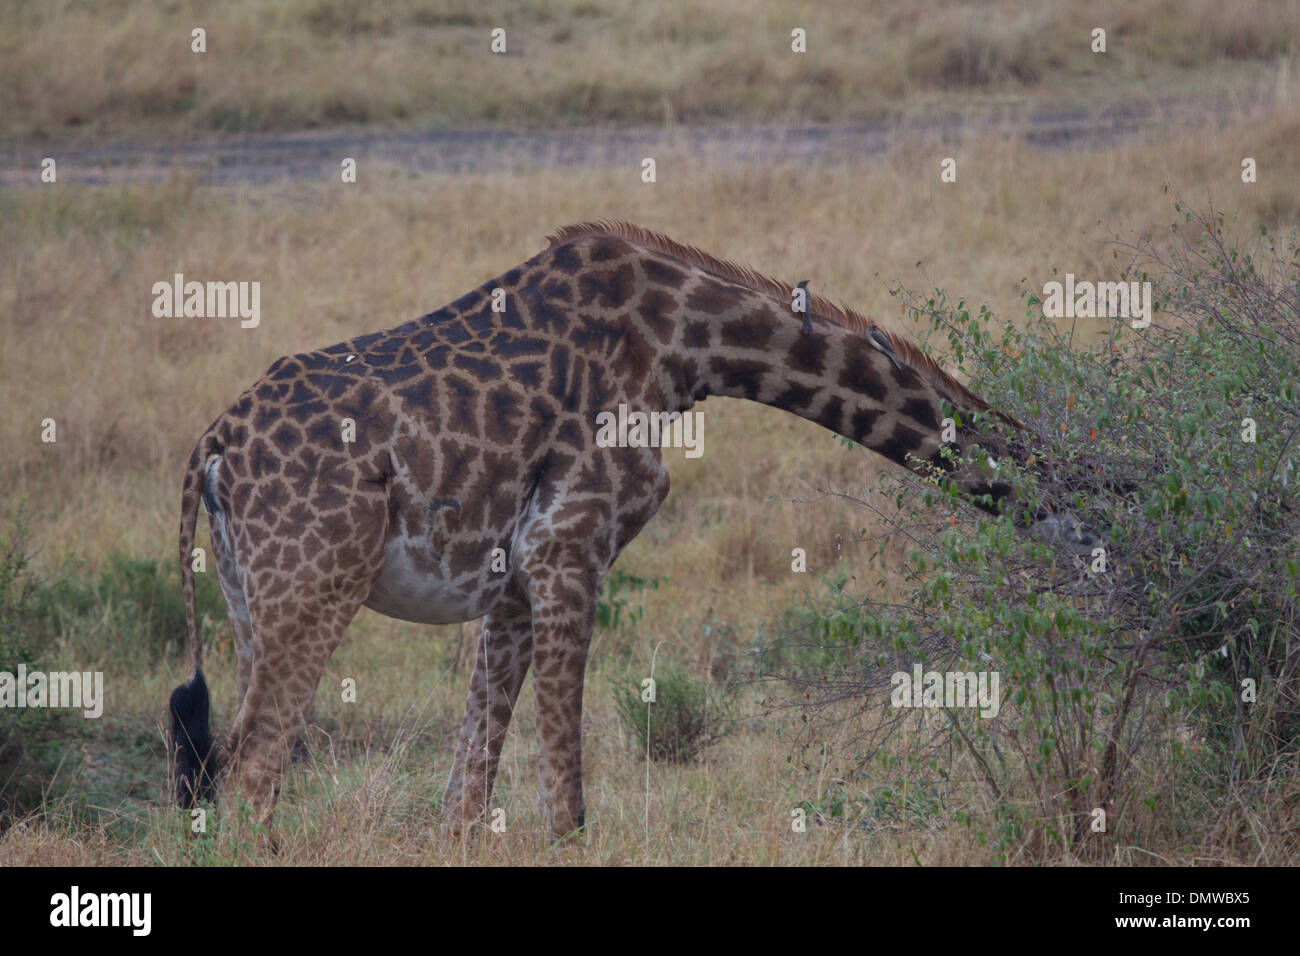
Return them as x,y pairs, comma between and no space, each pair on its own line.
298,617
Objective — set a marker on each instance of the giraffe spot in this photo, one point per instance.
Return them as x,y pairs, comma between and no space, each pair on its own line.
901,441
862,423
832,414
808,354
286,437
462,395
572,432
283,368
297,515
261,459
638,355
861,373
481,322
325,432
566,258
385,353
922,412
456,460
304,402
598,389
485,370
905,376
419,395
797,397
502,414
268,501
557,289
456,333
274,585
416,459
714,298
697,335
425,338
330,386
559,384
503,508
682,372
436,357
464,303
656,308
300,472
330,499
508,345
395,376
593,476
596,335
743,376
753,331
661,273
545,313
605,248
371,341
528,374
610,289
465,557
290,555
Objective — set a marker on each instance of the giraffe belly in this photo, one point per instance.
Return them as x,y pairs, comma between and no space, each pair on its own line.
408,590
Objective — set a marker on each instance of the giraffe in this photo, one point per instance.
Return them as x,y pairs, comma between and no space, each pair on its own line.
473,487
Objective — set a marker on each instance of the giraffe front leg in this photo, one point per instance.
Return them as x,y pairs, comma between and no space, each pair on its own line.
562,623
505,650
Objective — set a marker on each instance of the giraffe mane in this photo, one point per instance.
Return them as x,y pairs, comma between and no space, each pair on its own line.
839,315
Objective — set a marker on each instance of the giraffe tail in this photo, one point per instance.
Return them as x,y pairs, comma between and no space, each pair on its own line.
190,732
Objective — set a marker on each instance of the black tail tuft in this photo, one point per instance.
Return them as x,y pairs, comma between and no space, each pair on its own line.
191,742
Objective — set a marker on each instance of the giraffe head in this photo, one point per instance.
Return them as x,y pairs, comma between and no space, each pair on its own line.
1001,437
1048,514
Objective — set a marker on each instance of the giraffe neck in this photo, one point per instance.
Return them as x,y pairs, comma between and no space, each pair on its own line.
833,376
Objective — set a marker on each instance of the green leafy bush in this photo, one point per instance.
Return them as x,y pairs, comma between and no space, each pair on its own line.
1165,675
685,717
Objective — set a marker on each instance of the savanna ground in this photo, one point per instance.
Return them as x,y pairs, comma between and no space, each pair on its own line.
131,392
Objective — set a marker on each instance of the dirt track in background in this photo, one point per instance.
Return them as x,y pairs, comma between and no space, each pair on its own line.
258,159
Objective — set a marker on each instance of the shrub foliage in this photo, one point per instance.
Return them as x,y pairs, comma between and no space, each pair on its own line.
1159,688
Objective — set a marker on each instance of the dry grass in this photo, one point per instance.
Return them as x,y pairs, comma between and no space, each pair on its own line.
72,71
130,393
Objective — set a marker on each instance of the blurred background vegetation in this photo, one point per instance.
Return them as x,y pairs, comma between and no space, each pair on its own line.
117,69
